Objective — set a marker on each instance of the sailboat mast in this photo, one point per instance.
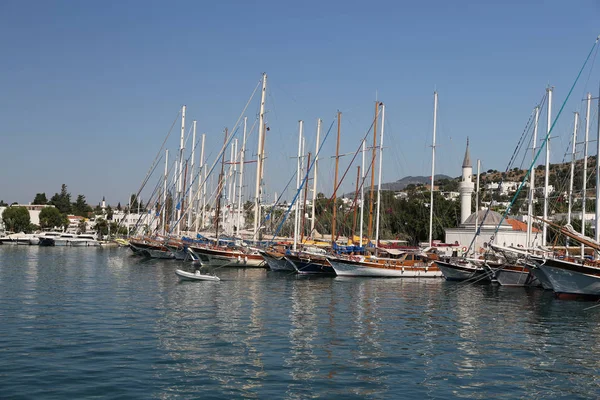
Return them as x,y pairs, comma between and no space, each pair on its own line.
200,213
298,172
355,212
234,183
572,175
585,166
477,204
362,193
180,174
374,155
259,156
185,175
597,233
305,196
380,173
164,213
335,180
532,178
192,173
219,191
435,105
547,176
314,193
242,154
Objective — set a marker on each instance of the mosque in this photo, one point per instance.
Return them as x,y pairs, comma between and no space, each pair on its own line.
511,232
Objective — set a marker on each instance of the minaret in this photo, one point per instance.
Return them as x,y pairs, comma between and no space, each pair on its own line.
103,203
466,186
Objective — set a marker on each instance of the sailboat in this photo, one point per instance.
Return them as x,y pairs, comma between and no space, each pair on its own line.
570,276
238,254
386,263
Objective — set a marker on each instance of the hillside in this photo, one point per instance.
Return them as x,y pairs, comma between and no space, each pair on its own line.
559,174
400,184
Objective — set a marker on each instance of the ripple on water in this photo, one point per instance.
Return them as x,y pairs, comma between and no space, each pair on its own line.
80,323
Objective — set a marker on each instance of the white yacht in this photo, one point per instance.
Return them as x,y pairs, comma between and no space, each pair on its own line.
65,239
85,239
47,238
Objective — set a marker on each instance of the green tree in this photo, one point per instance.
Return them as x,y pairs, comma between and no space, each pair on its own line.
3,204
80,207
40,198
50,217
101,227
133,203
16,219
62,201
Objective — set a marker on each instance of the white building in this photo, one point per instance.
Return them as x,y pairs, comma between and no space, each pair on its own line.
34,212
451,196
466,186
511,232
507,187
506,232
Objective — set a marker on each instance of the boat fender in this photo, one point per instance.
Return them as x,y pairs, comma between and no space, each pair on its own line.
239,259
402,268
245,259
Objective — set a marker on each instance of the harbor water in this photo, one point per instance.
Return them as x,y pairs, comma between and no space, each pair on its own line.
98,322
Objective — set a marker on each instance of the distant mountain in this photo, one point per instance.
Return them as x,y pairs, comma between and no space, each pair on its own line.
400,184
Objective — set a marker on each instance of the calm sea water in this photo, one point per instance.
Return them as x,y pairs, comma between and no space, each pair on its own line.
86,322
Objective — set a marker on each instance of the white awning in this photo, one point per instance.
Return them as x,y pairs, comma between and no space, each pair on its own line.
394,252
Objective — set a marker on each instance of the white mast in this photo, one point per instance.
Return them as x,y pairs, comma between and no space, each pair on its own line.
229,180
585,165
164,213
259,157
435,103
298,173
362,191
192,173
200,212
547,176
475,249
180,174
242,156
572,167
204,195
379,177
532,178
314,194
234,184
597,228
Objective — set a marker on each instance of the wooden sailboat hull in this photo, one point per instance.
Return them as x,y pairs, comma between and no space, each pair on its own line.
379,270
515,275
150,250
457,272
572,278
233,258
534,268
277,263
311,266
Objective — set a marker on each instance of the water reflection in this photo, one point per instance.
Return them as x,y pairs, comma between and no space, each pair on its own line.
125,327
210,335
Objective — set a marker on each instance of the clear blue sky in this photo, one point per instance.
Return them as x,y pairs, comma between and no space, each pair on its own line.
88,90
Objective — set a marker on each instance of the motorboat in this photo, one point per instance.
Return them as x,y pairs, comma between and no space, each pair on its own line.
195,276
